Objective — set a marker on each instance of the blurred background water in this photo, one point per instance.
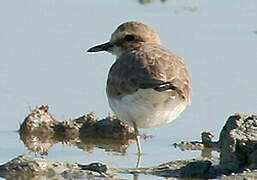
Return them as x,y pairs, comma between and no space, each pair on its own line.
43,61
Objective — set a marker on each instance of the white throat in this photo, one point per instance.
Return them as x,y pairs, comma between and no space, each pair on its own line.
117,51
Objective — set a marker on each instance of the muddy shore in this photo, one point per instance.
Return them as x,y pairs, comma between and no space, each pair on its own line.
237,146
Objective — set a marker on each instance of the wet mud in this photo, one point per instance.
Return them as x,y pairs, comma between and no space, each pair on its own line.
85,132
39,131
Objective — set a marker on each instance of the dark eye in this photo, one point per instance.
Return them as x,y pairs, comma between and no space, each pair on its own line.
129,38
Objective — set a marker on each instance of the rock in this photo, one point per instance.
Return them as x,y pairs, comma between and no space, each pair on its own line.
40,131
207,137
27,167
39,121
238,143
206,145
109,127
247,175
200,169
97,167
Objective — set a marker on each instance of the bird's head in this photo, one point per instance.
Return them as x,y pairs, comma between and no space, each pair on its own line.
128,36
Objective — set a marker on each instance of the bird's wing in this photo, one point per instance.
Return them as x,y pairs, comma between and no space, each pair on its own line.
150,67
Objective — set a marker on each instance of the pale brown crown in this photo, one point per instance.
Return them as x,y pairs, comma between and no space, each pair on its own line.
130,35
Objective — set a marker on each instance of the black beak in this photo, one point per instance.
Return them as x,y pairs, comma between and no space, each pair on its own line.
101,47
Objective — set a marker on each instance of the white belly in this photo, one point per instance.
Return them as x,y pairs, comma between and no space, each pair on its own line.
148,108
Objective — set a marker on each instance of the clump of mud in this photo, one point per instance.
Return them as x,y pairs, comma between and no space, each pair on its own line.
27,167
40,131
39,121
238,143
237,146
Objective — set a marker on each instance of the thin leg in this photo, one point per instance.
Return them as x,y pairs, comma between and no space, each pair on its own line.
138,145
138,160
137,139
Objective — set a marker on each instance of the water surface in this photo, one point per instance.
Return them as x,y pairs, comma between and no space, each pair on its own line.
43,61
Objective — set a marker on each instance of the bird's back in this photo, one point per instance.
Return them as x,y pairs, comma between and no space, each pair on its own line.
150,66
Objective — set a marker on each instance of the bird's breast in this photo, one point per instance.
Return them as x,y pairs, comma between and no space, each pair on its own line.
147,107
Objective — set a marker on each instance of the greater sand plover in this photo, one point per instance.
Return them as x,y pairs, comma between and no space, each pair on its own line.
148,85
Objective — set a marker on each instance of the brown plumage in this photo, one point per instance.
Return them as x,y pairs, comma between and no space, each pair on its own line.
148,66
147,85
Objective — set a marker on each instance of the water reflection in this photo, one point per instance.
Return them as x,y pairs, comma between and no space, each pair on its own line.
206,152
40,144
117,146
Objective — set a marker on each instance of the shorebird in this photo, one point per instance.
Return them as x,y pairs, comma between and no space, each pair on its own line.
148,85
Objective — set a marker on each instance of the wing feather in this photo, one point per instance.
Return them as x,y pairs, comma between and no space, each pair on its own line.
149,66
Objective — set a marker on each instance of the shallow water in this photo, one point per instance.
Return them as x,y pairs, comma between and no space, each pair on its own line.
43,61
